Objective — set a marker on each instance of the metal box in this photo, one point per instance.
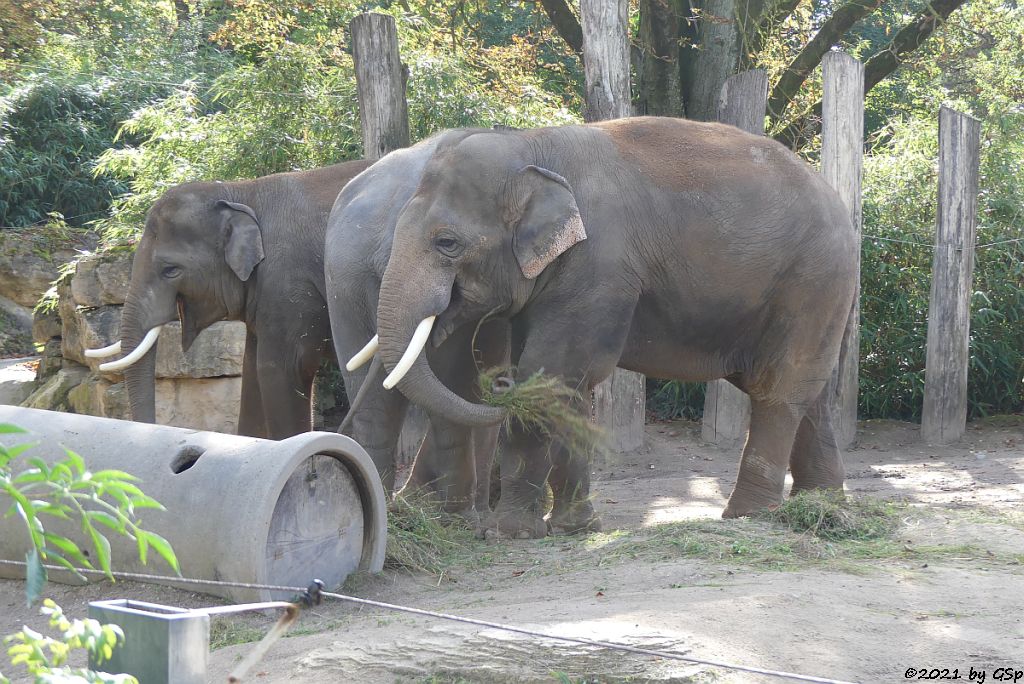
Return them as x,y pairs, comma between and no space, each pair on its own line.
163,645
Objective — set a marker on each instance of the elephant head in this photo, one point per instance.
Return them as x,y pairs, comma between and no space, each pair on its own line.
483,228
196,253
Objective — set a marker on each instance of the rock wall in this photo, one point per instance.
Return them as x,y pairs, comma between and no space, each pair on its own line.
200,389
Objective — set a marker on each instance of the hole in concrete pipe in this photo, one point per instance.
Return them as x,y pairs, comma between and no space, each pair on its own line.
186,458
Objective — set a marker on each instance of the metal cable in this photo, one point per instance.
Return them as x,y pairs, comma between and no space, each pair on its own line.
455,618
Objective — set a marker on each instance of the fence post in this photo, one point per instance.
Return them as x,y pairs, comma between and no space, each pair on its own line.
383,111
842,163
620,401
727,409
944,418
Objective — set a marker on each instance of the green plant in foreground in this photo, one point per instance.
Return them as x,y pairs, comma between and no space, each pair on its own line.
44,657
102,501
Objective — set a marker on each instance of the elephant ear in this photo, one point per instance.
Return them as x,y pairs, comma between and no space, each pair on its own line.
549,222
243,243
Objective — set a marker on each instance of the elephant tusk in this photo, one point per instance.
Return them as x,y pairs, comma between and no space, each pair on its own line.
364,354
416,344
103,352
147,342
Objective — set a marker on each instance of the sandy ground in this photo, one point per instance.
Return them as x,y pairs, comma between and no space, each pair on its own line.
955,599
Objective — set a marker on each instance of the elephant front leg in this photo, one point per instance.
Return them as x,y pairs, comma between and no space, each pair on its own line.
573,511
286,386
524,466
251,420
762,474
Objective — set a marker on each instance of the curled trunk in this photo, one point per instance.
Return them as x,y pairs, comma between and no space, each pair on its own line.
396,324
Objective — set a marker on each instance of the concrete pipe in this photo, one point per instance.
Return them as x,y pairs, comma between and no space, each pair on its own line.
239,509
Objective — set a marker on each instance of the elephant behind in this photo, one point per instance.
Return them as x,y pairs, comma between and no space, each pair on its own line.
248,250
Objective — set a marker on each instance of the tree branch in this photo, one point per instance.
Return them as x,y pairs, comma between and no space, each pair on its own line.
878,68
772,17
565,22
801,67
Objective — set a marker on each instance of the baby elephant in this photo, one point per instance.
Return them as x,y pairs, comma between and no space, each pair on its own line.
245,250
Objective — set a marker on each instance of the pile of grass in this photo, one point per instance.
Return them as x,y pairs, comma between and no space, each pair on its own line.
545,404
831,516
423,538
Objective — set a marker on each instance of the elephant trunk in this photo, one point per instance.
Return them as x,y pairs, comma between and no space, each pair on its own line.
140,377
396,328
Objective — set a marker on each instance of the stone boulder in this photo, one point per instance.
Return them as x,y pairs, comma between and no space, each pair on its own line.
97,396
216,352
17,382
201,404
53,394
45,325
29,263
102,279
87,329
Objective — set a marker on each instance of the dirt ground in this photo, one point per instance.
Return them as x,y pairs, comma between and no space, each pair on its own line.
947,592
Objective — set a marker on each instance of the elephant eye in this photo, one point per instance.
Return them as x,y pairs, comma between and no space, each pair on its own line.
171,272
448,246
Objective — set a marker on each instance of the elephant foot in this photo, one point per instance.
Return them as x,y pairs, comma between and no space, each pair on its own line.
512,525
574,519
470,515
741,505
832,488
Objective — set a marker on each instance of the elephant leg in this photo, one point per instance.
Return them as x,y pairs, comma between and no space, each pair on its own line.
251,420
286,384
762,473
816,461
525,466
485,445
445,467
572,511
377,425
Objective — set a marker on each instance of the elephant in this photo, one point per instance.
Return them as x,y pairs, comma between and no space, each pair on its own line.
249,250
678,249
454,460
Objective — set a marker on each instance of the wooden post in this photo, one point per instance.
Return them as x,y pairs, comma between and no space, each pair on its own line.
842,164
944,419
605,25
727,409
383,111
620,401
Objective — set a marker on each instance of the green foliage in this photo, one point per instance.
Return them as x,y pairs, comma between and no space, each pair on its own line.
45,658
672,399
422,538
102,502
899,217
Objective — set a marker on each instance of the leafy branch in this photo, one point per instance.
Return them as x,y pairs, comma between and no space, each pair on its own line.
104,501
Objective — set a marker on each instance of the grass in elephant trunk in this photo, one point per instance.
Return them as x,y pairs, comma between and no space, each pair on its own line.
544,403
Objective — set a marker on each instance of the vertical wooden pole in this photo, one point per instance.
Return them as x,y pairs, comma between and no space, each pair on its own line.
944,419
605,25
620,401
383,111
727,409
842,164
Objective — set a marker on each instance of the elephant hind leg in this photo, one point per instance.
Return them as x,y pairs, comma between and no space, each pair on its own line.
816,462
762,473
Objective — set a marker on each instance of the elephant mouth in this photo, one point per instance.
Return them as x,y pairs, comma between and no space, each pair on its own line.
448,321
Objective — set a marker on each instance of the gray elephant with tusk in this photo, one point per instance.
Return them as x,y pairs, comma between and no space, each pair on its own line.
247,250
454,460
678,249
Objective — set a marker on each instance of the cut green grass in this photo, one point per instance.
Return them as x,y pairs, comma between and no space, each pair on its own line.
423,538
227,632
547,405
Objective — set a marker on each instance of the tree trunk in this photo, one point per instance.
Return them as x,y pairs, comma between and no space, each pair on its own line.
659,87
383,111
